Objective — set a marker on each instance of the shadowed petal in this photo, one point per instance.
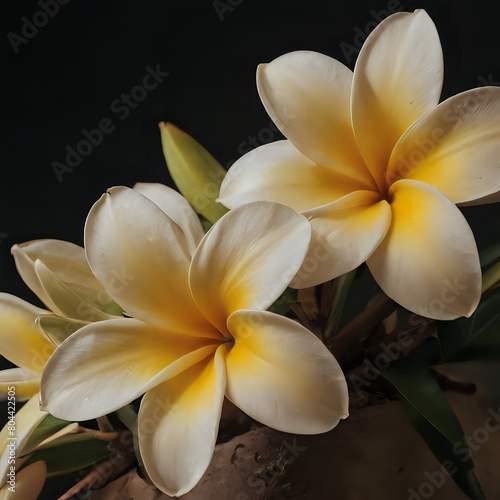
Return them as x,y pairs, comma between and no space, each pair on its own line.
21,342
26,383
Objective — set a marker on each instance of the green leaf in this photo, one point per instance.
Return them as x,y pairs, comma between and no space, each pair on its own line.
72,453
477,337
337,309
491,277
48,426
432,416
490,256
197,174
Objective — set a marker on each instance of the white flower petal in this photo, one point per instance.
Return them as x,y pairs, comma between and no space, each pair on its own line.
56,329
142,259
455,147
247,259
177,208
68,262
428,261
21,342
307,95
105,365
64,301
397,78
279,172
25,383
282,375
344,235
178,423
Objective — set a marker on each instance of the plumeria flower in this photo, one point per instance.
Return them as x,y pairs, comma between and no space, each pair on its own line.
199,331
378,166
58,273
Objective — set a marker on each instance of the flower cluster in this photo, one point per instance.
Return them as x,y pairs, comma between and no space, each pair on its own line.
372,170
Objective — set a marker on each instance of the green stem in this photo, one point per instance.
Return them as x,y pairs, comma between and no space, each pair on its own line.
333,321
491,277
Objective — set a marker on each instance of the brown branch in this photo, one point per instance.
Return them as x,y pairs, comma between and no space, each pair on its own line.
109,469
362,324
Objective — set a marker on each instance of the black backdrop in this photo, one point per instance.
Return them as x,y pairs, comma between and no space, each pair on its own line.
70,72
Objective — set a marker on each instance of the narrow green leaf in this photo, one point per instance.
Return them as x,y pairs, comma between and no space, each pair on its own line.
75,452
455,459
337,309
197,174
477,337
48,426
491,277
433,417
490,256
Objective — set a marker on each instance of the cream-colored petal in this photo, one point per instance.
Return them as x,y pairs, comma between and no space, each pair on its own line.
28,484
178,423
307,95
21,342
247,259
455,147
27,420
279,172
177,208
428,261
68,262
142,259
344,235
105,365
64,301
19,381
61,254
397,78
282,375
56,329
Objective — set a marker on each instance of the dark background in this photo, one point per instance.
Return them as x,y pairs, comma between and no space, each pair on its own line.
65,78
